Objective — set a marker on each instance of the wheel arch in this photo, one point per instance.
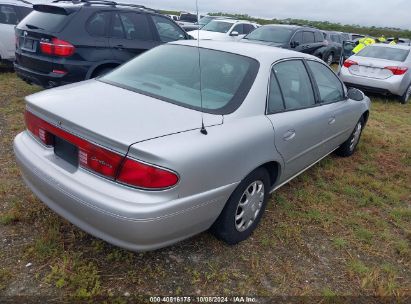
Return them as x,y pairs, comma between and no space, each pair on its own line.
100,66
365,116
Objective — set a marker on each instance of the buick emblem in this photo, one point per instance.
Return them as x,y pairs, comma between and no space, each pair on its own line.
25,34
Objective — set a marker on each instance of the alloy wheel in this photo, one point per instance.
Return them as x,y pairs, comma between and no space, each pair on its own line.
249,206
356,136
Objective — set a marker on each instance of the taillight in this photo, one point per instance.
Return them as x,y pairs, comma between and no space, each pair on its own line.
348,63
57,47
135,173
103,161
38,128
397,70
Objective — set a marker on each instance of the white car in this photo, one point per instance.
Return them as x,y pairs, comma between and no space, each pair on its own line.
224,29
11,12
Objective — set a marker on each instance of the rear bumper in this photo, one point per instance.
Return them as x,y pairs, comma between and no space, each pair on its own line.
42,79
133,219
395,85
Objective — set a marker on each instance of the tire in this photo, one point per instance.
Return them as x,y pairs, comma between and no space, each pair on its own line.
230,226
407,96
348,147
101,72
329,59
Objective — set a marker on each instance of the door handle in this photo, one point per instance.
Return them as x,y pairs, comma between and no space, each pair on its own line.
289,135
119,47
331,120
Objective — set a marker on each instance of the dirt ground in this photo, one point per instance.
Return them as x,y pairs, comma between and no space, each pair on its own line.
343,228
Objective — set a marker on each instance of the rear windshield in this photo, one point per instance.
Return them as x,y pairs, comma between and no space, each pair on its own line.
44,21
218,26
271,34
384,53
171,73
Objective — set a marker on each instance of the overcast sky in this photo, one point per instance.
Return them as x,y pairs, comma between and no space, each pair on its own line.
391,13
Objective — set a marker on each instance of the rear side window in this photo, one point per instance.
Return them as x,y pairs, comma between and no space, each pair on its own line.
384,53
319,37
48,22
167,30
329,86
275,99
131,26
98,23
295,84
308,37
8,15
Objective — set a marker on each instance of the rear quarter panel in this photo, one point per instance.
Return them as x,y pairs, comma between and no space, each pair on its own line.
225,156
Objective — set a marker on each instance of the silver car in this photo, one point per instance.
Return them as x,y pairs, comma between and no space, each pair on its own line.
380,68
153,152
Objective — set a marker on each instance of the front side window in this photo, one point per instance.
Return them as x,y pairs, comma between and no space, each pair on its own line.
298,37
167,30
239,28
171,73
329,86
218,26
98,23
271,34
131,26
8,15
295,84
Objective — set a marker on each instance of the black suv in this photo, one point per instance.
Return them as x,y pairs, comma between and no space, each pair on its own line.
298,38
66,41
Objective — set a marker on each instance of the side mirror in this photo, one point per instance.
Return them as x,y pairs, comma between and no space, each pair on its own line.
355,94
294,44
234,33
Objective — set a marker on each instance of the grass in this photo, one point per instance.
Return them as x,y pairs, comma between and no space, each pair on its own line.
341,228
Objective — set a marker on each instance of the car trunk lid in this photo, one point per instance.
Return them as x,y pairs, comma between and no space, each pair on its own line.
372,67
116,118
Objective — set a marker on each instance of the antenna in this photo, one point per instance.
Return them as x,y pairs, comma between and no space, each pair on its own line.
203,129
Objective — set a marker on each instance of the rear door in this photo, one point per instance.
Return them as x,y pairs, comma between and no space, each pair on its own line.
130,35
299,125
8,19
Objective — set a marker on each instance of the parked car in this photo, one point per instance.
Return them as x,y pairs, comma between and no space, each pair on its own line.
167,154
11,12
187,19
173,17
405,41
224,29
301,39
201,23
352,36
380,68
332,51
66,42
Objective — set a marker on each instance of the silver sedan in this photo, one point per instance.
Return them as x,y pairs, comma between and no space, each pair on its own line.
380,68
157,151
